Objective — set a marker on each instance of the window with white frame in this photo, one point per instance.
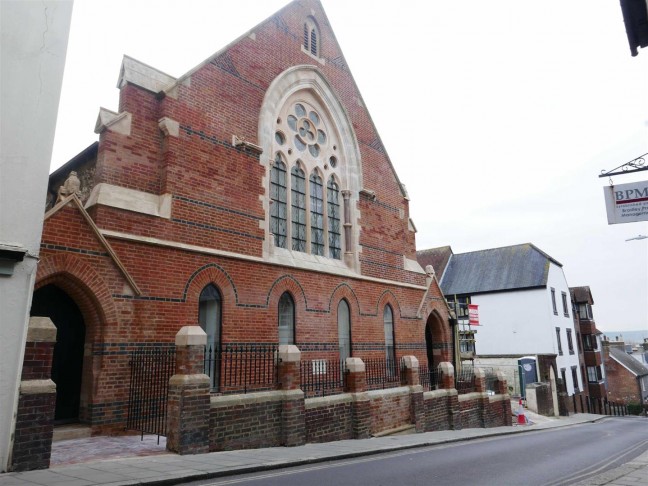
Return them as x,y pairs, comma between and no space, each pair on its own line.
308,165
585,311
594,374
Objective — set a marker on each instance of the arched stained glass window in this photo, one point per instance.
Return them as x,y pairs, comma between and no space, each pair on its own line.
286,319
209,317
298,200
333,215
344,330
278,197
390,347
316,215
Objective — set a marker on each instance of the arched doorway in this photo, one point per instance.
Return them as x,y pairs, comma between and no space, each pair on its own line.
67,362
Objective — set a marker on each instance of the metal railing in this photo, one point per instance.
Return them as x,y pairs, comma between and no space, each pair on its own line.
322,377
465,380
383,373
150,371
429,379
242,367
599,406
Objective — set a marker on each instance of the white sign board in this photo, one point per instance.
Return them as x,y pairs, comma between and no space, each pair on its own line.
627,203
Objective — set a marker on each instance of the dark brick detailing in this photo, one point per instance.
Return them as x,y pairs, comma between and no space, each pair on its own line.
82,251
33,435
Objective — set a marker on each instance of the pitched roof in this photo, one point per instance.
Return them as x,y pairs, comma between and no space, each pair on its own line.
437,257
581,295
497,269
631,364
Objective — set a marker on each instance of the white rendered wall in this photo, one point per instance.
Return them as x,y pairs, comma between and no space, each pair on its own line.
522,322
32,58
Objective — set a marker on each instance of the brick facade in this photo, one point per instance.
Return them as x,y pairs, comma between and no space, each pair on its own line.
174,206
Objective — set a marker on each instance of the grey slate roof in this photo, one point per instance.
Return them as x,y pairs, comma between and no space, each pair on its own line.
498,269
635,367
437,257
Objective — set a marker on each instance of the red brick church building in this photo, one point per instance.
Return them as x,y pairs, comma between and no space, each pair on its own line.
251,195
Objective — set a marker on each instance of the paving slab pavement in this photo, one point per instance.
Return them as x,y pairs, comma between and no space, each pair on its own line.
167,468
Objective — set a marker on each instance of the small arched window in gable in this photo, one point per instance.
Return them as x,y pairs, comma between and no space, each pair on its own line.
311,37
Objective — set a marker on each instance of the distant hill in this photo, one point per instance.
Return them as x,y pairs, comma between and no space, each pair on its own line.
628,337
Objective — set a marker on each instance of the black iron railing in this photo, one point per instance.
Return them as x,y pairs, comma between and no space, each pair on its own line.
383,373
322,377
150,371
430,378
465,380
491,380
242,367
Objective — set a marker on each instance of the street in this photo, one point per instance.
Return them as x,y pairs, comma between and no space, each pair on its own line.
552,457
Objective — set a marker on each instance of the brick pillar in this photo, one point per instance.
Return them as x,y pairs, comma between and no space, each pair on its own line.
502,388
32,446
293,412
480,387
447,381
446,378
188,404
357,386
417,405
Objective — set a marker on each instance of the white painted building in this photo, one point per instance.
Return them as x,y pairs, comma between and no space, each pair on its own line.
32,59
524,308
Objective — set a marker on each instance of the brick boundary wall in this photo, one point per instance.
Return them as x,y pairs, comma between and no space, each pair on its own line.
32,445
285,418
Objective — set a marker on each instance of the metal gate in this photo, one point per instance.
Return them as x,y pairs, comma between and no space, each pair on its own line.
150,370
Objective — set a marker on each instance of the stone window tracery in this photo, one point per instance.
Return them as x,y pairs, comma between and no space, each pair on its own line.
311,37
306,141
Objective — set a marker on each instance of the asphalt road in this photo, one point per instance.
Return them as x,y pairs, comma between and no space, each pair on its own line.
552,457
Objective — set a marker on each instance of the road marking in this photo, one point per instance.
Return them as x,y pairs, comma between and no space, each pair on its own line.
588,472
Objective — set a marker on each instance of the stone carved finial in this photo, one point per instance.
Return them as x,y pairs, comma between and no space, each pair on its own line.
429,269
72,185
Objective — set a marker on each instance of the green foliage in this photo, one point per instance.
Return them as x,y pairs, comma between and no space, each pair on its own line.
634,408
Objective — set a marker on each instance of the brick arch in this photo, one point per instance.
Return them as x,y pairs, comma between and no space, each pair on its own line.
290,284
210,274
388,297
91,293
344,291
84,285
440,347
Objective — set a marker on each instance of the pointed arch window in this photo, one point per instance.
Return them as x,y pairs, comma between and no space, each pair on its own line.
307,210
209,317
390,348
344,330
333,214
311,37
286,319
317,215
298,203
278,201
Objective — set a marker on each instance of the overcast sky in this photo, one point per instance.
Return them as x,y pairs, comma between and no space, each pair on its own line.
498,116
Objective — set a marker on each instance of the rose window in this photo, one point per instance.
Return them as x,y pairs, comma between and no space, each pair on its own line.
308,130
